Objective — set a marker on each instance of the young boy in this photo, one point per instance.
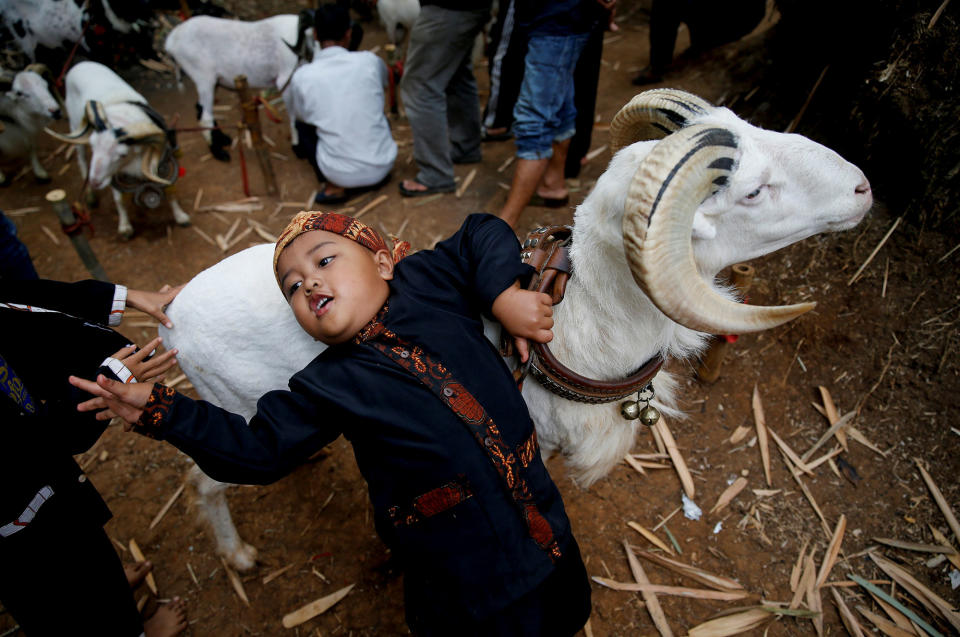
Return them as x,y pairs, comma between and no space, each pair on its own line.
439,430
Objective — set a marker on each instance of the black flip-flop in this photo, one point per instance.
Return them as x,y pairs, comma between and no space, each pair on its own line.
406,192
323,198
496,137
547,202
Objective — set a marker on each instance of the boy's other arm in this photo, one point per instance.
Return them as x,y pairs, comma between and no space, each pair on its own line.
284,432
525,314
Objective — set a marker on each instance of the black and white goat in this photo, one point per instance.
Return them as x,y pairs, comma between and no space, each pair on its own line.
666,216
131,149
214,51
26,107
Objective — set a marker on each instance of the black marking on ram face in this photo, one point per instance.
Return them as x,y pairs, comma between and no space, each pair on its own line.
19,29
705,139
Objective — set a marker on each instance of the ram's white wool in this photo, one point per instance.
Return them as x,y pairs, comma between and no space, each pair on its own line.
781,188
93,82
25,109
214,51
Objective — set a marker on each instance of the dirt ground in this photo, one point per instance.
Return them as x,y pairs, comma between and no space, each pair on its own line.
883,346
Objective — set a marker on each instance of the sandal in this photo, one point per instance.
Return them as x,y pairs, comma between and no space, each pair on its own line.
430,190
549,202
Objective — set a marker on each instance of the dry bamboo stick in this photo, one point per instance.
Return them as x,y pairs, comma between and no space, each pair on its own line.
635,464
809,575
593,153
314,608
806,492
735,624
370,206
761,425
898,618
235,582
507,162
138,556
798,567
875,251
832,414
916,546
166,507
785,448
941,501
233,228
884,625
653,539
205,236
837,426
678,463
664,520
924,595
50,234
678,591
466,183
847,617
713,581
196,200
21,211
893,602
832,550
649,598
239,237
942,539
277,573
729,494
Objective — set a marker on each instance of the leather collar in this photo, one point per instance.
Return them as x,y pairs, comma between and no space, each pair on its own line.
546,249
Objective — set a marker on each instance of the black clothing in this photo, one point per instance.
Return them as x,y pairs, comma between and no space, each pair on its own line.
467,557
38,439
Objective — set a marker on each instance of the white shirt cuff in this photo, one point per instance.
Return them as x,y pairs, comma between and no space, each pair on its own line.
118,368
119,304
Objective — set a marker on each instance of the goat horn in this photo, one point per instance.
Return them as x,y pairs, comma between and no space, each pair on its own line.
40,69
149,165
79,136
96,116
654,114
139,131
664,194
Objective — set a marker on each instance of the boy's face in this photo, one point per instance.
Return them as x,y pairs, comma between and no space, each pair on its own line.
334,285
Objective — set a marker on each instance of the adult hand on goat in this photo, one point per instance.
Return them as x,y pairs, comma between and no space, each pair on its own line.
525,314
124,400
154,303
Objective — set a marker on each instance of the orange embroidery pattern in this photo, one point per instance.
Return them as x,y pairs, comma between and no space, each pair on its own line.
155,411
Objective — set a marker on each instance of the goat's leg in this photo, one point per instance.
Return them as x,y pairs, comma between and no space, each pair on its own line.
124,227
211,503
179,214
216,138
38,170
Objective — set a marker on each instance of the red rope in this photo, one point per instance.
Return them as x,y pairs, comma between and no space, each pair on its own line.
66,65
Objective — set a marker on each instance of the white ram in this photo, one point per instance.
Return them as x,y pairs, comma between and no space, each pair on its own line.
26,107
663,220
214,51
130,148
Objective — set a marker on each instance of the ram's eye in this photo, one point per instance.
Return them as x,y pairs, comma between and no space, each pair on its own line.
755,193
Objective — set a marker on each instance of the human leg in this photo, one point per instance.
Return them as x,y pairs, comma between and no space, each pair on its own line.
463,115
439,42
585,78
665,18
506,57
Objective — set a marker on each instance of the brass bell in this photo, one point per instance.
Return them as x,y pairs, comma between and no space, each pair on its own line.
649,416
630,409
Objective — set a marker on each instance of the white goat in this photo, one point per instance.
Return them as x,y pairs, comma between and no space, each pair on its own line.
130,148
398,17
214,51
648,241
26,107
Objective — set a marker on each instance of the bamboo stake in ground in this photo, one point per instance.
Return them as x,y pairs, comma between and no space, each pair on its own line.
251,118
678,463
166,507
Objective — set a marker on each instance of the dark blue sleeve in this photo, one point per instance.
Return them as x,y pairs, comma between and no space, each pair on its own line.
287,429
486,255
90,300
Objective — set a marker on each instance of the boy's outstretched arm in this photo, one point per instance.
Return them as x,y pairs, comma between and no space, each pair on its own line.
525,314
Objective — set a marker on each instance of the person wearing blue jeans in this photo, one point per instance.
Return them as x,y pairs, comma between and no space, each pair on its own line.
15,260
545,115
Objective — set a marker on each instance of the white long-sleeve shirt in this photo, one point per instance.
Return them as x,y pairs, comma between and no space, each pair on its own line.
341,93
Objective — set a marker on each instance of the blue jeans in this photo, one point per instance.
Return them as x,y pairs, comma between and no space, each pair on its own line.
545,112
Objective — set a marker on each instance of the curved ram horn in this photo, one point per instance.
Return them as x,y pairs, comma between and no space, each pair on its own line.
149,165
667,188
96,116
139,132
79,136
654,114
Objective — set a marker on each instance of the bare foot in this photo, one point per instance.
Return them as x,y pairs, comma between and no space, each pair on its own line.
137,572
416,186
169,620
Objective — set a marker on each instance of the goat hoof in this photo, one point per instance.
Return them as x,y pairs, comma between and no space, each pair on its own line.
126,235
220,154
244,558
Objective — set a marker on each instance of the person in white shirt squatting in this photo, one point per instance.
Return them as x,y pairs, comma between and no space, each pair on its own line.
338,104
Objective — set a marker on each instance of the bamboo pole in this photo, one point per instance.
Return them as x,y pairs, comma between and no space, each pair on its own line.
68,220
741,277
251,118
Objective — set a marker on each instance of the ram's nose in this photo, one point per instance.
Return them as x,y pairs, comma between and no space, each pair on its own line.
863,190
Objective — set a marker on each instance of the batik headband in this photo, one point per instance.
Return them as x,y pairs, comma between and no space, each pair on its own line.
342,225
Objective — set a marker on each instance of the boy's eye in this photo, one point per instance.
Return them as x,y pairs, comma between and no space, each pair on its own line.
324,261
293,288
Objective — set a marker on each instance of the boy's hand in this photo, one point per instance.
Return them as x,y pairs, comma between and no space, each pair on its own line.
125,400
154,303
525,315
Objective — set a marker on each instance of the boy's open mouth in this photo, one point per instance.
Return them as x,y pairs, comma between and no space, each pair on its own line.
319,304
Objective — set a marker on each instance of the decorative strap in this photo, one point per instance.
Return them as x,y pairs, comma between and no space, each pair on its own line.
432,502
435,376
547,250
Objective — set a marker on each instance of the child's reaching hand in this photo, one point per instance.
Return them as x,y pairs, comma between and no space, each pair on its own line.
525,314
125,400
